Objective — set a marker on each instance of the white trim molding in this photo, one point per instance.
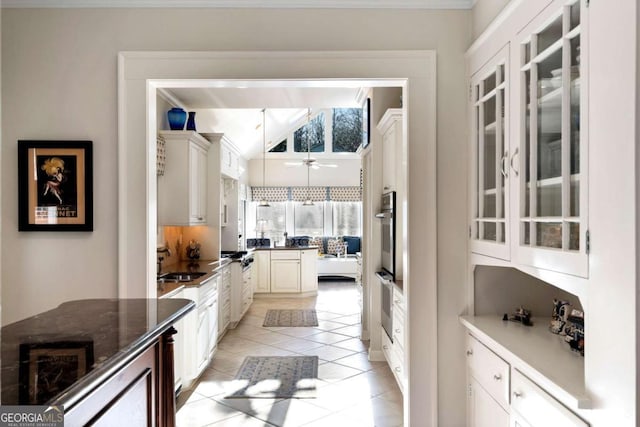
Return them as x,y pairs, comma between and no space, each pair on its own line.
260,4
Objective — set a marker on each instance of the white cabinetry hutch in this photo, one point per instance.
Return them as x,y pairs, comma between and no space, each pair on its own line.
528,208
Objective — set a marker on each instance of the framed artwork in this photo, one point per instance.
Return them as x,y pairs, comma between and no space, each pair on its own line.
47,369
55,186
366,123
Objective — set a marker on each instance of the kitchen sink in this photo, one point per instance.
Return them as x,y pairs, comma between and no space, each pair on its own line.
181,276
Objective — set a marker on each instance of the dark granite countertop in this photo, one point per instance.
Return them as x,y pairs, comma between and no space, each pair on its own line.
211,267
71,349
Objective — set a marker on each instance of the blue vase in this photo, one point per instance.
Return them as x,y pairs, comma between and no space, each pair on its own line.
191,121
177,117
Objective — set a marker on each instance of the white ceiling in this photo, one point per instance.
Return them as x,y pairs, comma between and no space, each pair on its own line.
344,4
237,112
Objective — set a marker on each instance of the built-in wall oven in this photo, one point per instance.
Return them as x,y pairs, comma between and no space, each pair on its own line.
387,218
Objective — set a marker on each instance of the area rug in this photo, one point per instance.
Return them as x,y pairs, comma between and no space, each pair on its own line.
291,318
277,377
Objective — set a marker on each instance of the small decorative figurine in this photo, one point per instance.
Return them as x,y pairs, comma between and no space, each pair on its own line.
575,331
522,315
193,250
559,316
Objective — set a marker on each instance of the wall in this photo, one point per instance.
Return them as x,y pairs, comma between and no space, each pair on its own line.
60,71
483,12
278,174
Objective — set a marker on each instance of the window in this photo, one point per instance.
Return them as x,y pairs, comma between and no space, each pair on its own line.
281,147
313,132
347,218
347,129
308,220
276,219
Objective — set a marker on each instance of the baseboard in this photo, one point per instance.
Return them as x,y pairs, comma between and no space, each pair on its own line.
376,356
364,336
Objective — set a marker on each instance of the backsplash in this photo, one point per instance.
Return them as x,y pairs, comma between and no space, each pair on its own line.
177,239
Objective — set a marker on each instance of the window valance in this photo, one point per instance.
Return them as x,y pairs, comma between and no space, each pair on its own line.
299,194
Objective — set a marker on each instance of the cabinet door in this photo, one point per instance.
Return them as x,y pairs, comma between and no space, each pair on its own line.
489,153
483,410
389,160
197,184
202,341
552,157
262,276
309,270
285,275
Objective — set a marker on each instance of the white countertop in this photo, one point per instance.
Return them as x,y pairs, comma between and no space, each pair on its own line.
542,356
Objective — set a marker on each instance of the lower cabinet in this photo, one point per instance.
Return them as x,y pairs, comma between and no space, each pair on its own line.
484,411
224,301
499,395
241,292
285,271
178,349
201,327
141,392
393,348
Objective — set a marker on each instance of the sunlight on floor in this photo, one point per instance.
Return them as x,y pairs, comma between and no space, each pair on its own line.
351,390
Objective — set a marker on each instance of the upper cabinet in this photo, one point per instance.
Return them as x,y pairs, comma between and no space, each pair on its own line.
229,162
551,173
528,148
489,230
182,190
390,127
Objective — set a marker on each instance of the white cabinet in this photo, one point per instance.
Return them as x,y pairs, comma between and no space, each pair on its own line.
201,330
483,410
229,162
393,349
529,145
308,270
262,276
551,227
224,300
241,291
390,127
533,407
179,347
489,230
285,275
182,190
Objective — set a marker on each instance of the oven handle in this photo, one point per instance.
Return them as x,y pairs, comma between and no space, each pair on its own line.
383,215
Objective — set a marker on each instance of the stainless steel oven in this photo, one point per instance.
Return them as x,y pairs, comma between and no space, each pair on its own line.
387,217
386,302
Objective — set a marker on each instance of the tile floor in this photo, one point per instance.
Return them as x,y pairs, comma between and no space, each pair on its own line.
352,391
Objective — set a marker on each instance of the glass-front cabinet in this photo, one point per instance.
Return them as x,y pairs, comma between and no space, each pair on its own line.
489,231
551,229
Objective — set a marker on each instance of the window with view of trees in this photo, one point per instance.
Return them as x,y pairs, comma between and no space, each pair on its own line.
347,218
347,129
313,132
276,217
281,147
308,220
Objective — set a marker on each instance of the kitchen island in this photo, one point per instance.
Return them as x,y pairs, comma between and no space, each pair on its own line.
286,271
98,360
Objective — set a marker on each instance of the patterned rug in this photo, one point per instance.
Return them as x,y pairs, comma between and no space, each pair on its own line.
291,318
277,377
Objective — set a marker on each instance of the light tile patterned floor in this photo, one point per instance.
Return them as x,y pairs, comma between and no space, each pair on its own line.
352,391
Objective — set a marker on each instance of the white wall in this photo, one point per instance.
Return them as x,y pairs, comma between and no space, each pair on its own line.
483,12
60,80
278,174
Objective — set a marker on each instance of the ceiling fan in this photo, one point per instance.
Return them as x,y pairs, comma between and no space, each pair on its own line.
309,161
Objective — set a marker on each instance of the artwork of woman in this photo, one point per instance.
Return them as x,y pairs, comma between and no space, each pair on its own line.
54,168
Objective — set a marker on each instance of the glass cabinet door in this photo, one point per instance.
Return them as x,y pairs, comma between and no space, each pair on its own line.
490,155
552,171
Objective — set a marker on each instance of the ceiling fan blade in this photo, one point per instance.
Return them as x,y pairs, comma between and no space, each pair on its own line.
327,165
315,166
293,163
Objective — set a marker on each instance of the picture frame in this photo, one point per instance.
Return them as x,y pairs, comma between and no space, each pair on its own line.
48,368
366,123
55,185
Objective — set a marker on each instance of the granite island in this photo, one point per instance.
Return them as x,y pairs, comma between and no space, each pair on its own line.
101,360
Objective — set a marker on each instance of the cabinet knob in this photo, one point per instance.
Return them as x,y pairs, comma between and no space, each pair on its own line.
384,347
397,331
517,394
469,352
397,369
497,377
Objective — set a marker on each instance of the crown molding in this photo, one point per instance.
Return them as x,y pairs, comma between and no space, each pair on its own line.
271,4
